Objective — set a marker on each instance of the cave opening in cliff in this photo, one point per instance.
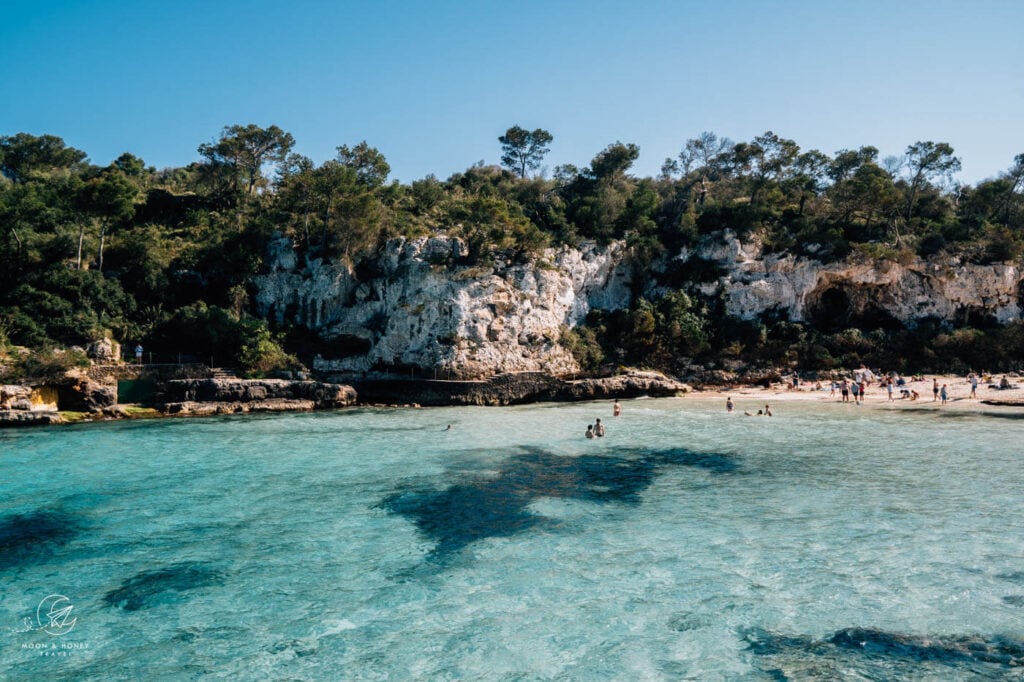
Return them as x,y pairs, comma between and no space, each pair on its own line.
835,309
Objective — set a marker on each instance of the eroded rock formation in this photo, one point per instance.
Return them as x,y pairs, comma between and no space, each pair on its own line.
415,310
219,396
412,308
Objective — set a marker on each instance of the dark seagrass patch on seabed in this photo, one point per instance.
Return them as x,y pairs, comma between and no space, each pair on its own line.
34,536
162,585
478,507
878,654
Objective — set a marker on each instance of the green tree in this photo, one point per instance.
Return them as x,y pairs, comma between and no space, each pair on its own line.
245,150
705,155
925,163
110,199
22,155
524,150
369,164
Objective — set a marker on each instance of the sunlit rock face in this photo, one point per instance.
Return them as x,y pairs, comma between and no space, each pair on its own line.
410,307
858,291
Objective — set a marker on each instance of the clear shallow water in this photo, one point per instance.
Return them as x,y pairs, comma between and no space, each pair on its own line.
827,542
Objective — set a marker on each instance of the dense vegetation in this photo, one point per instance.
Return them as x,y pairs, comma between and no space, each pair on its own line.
163,257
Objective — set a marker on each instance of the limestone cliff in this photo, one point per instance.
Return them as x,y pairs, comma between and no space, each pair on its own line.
416,310
859,289
411,308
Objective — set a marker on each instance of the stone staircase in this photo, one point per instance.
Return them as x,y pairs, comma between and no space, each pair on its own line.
223,373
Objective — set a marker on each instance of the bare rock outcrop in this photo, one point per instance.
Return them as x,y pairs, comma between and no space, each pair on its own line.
79,393
513,388
412,307
18,409
805,289
219,396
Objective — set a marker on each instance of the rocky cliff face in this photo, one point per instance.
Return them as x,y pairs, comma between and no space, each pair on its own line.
846,292
414,310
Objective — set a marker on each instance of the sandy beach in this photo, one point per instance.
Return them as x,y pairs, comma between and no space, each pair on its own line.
958,390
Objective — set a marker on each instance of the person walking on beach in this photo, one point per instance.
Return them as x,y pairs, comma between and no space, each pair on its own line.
935,389
598,428
728,404
974,385
943,394
855,387
889,387
845,388
616,409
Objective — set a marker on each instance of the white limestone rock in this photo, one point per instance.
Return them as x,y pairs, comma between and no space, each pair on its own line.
467,320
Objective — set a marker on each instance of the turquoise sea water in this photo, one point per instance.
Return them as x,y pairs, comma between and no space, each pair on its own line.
827,542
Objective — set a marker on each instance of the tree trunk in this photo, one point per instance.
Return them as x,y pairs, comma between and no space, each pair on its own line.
99,255
81,238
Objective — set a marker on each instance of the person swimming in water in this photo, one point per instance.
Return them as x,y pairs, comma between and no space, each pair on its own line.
590,431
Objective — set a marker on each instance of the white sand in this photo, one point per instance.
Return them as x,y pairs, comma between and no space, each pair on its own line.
958,389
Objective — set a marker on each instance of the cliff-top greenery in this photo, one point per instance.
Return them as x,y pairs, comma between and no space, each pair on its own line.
164,257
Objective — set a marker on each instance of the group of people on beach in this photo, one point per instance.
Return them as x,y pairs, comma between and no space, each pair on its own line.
857,387
892,383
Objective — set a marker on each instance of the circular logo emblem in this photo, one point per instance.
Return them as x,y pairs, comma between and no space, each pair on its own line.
54,615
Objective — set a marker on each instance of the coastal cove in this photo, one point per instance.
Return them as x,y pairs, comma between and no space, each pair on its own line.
828,541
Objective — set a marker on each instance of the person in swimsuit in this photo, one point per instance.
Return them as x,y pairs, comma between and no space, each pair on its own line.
598,428
728,404
590,430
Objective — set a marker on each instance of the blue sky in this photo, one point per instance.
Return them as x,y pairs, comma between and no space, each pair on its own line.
433,84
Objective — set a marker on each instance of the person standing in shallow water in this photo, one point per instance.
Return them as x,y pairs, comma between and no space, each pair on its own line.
598,428
767,411
728,404
590,431
616,409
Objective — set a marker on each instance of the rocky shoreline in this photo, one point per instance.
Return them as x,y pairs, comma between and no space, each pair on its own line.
516,388
94,397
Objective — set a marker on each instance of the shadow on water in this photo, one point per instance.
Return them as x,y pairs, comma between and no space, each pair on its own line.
162,585
35,536
478,507
877,654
